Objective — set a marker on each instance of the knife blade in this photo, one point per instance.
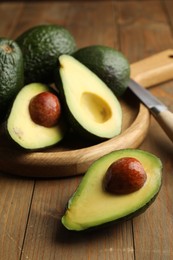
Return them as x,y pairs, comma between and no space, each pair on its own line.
161,112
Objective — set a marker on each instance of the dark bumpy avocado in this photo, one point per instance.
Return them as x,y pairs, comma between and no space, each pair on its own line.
41,45
92,108
109,64
11,74
92,206
23,130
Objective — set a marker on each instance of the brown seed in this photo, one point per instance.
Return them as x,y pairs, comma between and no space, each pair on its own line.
124,176
45,109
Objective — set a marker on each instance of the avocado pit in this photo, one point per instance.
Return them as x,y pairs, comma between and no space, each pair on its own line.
124,176
45,109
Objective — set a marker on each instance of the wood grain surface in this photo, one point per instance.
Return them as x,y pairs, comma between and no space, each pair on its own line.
31,208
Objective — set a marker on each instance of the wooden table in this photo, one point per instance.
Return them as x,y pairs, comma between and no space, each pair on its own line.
30,209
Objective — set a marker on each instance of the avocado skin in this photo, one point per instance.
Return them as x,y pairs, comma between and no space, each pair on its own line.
41,46
12,74
108,64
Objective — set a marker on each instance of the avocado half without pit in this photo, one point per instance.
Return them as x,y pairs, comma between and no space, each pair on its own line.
93,110
116,187
34,121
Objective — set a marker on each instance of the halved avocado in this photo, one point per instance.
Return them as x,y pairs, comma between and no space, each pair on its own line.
92,206
21,127
92,108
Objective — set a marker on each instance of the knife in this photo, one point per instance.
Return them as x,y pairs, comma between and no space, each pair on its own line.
161,113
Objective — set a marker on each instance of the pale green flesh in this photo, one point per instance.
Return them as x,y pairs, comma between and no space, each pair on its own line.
91,206
21,127
89,100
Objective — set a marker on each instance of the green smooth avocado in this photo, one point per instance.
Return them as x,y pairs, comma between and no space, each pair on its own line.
108,64
92,109
23,130
41,45
11,74
92,205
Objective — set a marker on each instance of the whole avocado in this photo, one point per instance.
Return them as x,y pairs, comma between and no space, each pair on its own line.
41,46
11,74
108,64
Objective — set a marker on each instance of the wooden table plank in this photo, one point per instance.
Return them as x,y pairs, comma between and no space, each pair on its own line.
168,5
146,27
16,193
93,23
10,12
15,199
158,221
46,238
53,195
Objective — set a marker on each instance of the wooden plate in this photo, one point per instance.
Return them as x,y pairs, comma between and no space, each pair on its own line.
74,156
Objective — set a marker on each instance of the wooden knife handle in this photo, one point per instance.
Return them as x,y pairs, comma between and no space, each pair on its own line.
153,70
165,120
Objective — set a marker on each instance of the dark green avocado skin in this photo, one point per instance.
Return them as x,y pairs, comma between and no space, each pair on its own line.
41,46
11,74
108,64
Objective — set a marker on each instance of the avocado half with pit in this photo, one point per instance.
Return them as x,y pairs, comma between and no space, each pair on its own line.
91,107
23,130
91,205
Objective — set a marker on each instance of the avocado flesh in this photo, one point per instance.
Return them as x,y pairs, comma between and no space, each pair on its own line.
92,206
92,107
23,130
